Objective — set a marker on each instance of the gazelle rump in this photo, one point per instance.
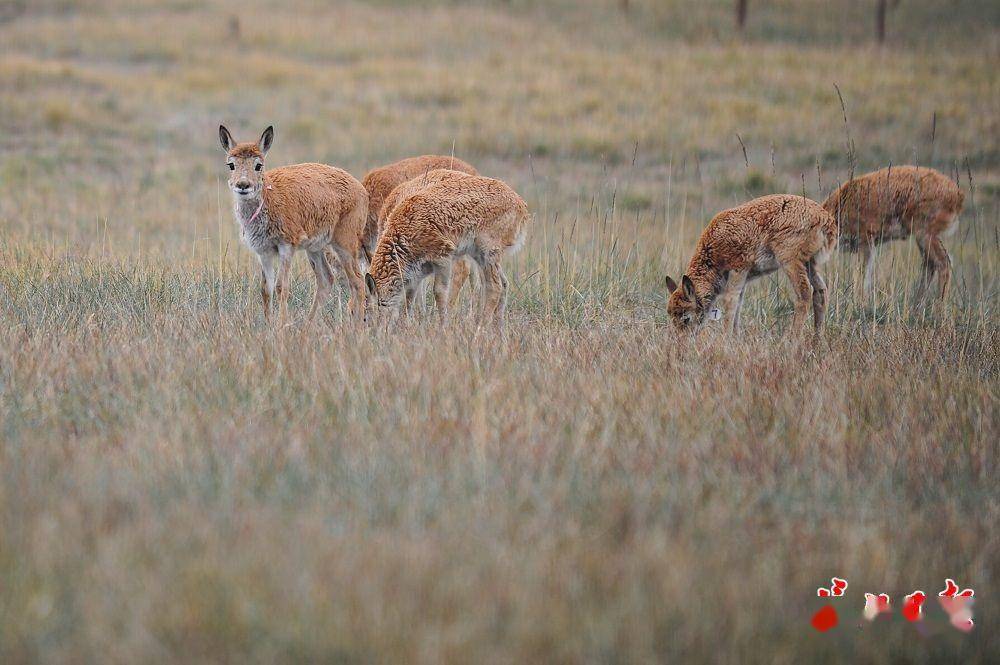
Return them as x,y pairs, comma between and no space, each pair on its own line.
310,207
770,233
892,204
428,230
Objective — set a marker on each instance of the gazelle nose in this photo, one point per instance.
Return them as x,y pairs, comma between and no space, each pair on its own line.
243,185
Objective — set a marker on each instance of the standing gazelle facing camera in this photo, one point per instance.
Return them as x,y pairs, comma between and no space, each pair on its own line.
310,207
778,232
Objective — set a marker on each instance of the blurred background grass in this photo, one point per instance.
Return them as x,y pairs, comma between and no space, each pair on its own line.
178,484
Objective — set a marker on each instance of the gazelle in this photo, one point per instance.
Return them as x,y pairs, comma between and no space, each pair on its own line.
739,245
460,267
308,207
427,231
893,204
383,181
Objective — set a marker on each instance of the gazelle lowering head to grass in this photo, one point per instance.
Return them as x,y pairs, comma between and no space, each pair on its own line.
893,204
383,181
461,266
309,207
739,245
456,216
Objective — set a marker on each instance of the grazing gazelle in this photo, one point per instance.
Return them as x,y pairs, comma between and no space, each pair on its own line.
781,231
461,267
452,217
309,207
893,204
381,182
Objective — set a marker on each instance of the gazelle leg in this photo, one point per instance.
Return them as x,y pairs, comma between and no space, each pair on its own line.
324,281
285,253
798,275
346,244
268,280
265,295
411,295
818,296
334,269
459,275
349,267
731,299
494,289
944,268
936,264
927,268
739,309
868,257
424,287
442,283
501,310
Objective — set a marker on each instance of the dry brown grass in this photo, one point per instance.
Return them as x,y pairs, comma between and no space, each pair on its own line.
179,483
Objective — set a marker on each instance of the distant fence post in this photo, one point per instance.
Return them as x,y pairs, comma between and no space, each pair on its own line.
880,10
741,14
234,27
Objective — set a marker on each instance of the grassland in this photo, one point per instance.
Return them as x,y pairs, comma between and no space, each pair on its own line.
180,483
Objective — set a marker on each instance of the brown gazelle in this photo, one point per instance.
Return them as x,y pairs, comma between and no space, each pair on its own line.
892,204
450,217
775,232
381,182
310,207
460,267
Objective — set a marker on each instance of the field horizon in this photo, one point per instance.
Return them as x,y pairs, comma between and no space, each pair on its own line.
180,482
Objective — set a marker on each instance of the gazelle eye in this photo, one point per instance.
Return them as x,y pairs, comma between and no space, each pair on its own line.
232,167
258,166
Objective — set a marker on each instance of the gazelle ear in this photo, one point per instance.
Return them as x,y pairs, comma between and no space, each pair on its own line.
370,283
225,138
671,285
688,286
265,140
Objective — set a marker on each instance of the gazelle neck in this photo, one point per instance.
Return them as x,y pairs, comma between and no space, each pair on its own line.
246,207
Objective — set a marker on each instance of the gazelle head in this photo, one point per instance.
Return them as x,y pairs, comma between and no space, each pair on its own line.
689,311
686,309
246,162
384,281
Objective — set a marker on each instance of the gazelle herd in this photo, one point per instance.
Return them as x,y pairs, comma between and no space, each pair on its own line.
429,215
